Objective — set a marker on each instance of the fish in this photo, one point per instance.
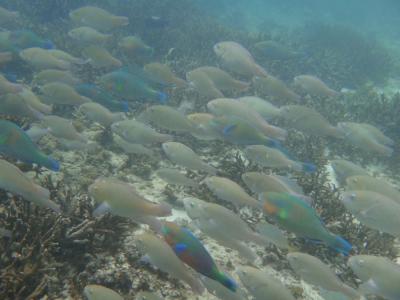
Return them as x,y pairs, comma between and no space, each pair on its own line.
273,158
315,272
34,102
202,127
228,190
15,143
216,220
62,55
138,133
222,80
344,169
309,121
62,128
101,96
233,109
260,183
88,35
99,292
369,183
132,148
42,59
131,87
273,235
374,210
7,87
173,176
182,155
36,133
100,114
17,183
61,93
121,199
97,18
148,296
266,109
134,45
314,86
17,40
7,16
163,73
379,275
51,75
261,285
163,257
295,215
221,292
166,117
99,57
16,105
365,138
238,59
192,252
273,50
203,84
275,88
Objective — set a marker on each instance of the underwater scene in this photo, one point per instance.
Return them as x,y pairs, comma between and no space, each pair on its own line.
199,149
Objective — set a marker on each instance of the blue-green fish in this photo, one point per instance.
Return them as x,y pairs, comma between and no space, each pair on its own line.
295,215
15,143
17,40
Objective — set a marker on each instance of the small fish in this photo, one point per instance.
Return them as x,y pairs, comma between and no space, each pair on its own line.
295,215
88,35
262,286
344,169
234,109
16,105
134,45
366,138
374,210
41,59
182,155
15,143
230,191
238,59
163,257
309,121
314,271
314,86
259,183
16,182
131,148
173,176
162,73
192,252
61,93
121,199
275,88
97,18
99,292
166,117
369,183
379,275
273,158
131,87
100,114
266,109
216,221
138,133
99,57
51,75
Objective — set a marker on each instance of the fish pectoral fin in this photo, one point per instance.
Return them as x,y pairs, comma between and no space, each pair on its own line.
368,287
180,248
227,129
102,209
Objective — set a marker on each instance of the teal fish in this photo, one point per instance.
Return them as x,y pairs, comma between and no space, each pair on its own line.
22,39
192,252
295,215
131,87
15,143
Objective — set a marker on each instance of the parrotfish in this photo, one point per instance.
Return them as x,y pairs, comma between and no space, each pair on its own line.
132,148
51,75
99,57
16,182
295,215
131,87
100,114
173,176
7,87
162,73
192,252
266,109
202,126
61,93
99,292
18,40
134,45
163,257
41,59
344,169
275,88
379,275
15,143
88,35
102,97
203,84
62,55
314,271
273,50
148,296
314,86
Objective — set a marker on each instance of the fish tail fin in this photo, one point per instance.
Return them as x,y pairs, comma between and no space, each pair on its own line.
164,209
226,281
53,164
162,97
340,245
309,167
